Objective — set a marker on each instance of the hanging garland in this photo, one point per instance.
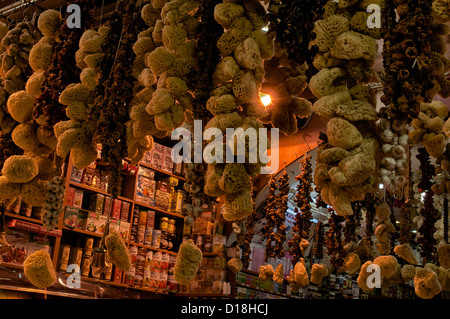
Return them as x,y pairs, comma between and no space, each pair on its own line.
333,241
318,241
280,214
270,209
249,225
293,24
429,214
302,224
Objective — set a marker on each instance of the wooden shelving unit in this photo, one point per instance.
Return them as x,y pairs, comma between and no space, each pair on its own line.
129,195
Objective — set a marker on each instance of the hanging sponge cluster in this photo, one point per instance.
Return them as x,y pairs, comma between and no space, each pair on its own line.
348,161
188,261
38,268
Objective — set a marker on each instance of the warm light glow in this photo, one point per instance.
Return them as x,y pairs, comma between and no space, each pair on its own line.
266,28
265,99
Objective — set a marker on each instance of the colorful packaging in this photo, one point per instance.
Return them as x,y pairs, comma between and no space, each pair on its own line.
157,155
125,211
146,172
162,195
145,190
102,219
107,207
129,275
85,265
167,164
150,219
77,174
124,229
218,243
96,203
134,225
140,238
76,254
180,201
70,196
91,222
114,224
78,198
117,275
81,218
117,207
64,259
88,176
148,236
156,238
70,217
142,218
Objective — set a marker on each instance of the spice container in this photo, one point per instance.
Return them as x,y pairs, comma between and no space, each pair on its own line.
148,236
64,261
156,238
163,223
171,226
140,234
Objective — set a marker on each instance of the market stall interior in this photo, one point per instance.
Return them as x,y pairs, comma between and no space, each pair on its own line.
243,149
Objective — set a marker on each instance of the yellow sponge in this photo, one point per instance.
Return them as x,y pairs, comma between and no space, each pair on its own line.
38,268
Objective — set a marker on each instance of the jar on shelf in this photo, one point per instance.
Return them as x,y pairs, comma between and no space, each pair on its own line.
163,223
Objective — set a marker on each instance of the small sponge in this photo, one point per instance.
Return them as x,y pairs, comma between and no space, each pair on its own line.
20,106
20,169
117,251
38,268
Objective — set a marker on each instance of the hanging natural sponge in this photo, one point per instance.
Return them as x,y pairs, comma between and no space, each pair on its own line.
405,252
8,190
364,276
234,178
408,272
278,275
117,251
318,272
235,264
426,283
24,137
266,272
38,268
49,23
20,169
354,45
188,261
238,205
20,106
388,265
34,84
33,193
341,133
41,55
352,264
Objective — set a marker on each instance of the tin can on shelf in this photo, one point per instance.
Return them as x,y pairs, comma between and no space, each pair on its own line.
85,266
142,221
88,246
171,226
64,260
156,238
140,234
163,223
148,236
164,241
76,254
148,258
134,226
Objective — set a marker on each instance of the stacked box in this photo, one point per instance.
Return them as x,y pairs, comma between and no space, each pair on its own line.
70,217
78,198
162,195
157,155
145,190
124,229
77,174
125,211
96,203
116,208
130,273
70,197
92,222
167,164
107,207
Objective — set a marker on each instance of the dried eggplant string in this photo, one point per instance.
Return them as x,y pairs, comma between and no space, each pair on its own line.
249,225
427,241
270,209
303,215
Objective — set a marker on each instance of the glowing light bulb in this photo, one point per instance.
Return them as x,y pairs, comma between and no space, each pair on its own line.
265,99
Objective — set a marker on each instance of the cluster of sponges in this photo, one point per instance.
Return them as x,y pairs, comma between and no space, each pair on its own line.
168,65
16,45
388,267
72,135
188,261
117,250
266,272
21,178
384,228
141,126
284,84
347,164
38,267
235,103
440,231
429,128
344,39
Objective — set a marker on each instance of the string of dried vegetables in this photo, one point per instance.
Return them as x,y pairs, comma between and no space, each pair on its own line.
58,76
111,129
293,23
248,236
430,215
319,237
280,214
270,208
302,223
333,241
